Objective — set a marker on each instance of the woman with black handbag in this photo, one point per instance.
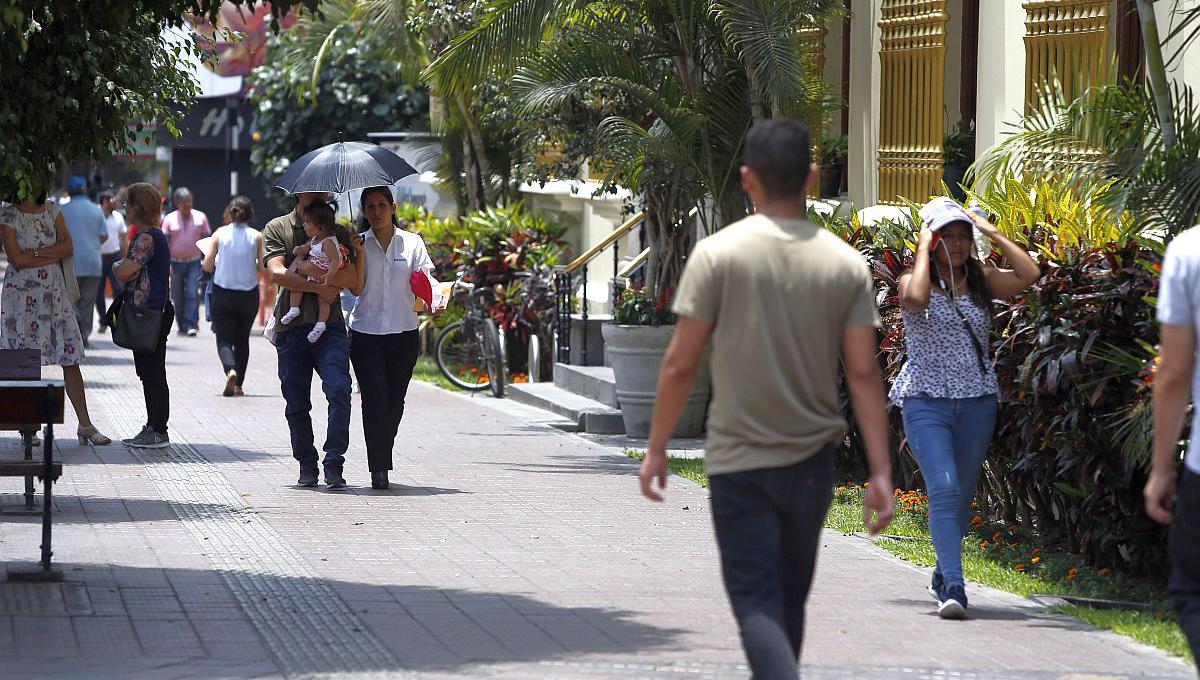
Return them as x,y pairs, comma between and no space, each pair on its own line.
947,389
141,317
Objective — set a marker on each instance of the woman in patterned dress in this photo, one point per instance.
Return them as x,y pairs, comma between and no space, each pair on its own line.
34,310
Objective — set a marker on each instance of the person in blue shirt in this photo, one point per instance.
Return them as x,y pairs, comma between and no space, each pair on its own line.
85,220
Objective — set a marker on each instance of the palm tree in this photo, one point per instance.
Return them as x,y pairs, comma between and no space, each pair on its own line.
696,74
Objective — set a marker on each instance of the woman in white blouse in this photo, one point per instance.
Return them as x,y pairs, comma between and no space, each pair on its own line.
235,260
383,326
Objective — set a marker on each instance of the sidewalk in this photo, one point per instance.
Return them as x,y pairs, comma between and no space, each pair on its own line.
505,549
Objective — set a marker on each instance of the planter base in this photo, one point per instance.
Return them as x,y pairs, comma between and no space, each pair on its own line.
636,354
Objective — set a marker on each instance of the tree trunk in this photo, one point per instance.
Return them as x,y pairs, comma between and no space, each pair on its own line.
481,159
1156,71
470,171
667,241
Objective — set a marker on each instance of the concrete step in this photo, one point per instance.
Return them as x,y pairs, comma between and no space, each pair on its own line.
594,382
591,415
595,341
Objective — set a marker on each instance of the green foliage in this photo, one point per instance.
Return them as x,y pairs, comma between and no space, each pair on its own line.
834,149
637,307
959,144
352,98
79,82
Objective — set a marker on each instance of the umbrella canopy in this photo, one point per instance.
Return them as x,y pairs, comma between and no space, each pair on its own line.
343,167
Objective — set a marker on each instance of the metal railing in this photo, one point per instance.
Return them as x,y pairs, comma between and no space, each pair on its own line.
564,287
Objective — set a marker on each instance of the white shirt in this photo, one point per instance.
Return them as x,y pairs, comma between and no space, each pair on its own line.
237,257
1179,305
386,304
116,228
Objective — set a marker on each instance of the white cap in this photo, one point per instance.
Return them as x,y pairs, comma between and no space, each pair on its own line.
939,212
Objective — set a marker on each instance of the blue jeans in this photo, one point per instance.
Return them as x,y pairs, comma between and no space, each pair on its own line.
949,438
330,358
185,293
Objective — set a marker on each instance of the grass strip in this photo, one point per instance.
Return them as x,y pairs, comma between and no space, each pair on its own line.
1003,558
427,371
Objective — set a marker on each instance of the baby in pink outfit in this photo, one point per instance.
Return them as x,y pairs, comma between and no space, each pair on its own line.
326,253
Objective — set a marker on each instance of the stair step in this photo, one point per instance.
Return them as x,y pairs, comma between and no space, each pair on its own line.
594,382
592,416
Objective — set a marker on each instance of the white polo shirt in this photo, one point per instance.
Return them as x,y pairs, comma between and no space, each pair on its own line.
386,304
1179,305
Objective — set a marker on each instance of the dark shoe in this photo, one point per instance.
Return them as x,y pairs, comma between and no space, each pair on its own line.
953,603
308,476
334,478
191,332
935,586
148,439
379,479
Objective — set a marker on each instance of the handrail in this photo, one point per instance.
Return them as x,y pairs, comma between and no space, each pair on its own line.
601,246
634,264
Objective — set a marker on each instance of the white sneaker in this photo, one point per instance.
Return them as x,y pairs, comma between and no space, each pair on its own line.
291,316
317,331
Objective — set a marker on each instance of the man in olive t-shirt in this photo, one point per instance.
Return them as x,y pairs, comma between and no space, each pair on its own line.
782,300
298,358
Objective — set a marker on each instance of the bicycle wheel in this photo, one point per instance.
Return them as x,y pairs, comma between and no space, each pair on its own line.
533,359
494,349
461,358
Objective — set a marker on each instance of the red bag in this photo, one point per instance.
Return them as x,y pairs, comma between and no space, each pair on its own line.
421,288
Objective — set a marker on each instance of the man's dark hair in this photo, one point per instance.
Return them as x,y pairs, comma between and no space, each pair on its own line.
106,195
779,151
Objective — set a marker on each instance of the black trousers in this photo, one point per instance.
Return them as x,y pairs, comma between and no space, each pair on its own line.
152,369
106,276
233,313
383,365
768,525
1185,559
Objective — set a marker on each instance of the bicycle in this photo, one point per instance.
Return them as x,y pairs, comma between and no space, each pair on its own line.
534,321
470,352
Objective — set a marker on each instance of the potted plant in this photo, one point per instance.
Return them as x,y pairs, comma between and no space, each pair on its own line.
635,343
958,150
833,164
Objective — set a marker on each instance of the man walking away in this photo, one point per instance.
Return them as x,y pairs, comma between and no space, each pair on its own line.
183,228
781,299
1179,316
85,221
112,249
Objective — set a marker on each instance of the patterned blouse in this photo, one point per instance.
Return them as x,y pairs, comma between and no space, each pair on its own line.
942,361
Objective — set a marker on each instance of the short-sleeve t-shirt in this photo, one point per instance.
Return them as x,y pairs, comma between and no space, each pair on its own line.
1179,305
779,294
280,237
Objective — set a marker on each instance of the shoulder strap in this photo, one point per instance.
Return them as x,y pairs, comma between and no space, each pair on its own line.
980,353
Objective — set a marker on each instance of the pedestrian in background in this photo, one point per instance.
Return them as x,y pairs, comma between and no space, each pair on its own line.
235,261
111,250
1179,319
89,231
775,419
145,273
384,344
947,388
35,312
183,227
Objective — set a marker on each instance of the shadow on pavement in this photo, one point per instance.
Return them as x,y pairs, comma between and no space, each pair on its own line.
208,624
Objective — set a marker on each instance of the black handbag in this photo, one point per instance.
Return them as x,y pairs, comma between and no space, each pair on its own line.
134,327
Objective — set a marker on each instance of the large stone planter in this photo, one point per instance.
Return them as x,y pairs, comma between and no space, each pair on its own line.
636,354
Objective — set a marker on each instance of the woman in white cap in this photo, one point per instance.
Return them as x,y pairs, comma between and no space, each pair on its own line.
947,389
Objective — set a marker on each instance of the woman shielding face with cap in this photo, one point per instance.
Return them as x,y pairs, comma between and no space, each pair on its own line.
947,388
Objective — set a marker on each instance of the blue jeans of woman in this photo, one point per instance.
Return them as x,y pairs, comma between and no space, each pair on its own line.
949,438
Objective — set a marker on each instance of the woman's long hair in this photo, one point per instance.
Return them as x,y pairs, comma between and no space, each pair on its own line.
977,285
363,225
240,210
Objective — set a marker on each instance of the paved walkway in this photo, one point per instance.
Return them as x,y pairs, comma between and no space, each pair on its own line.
509,550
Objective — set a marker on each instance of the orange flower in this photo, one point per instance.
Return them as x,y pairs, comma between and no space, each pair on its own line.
983,545
1072,574
1019,567
976,519
1036,560
1103,571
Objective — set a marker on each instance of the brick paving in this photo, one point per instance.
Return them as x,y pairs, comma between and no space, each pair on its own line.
508,549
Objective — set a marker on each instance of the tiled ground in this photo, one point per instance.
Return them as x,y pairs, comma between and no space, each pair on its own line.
509,549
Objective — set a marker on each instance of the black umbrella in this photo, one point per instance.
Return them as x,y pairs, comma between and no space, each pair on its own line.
343,167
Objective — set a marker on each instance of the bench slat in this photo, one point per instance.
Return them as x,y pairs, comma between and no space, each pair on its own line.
20,364
31,468
22,402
